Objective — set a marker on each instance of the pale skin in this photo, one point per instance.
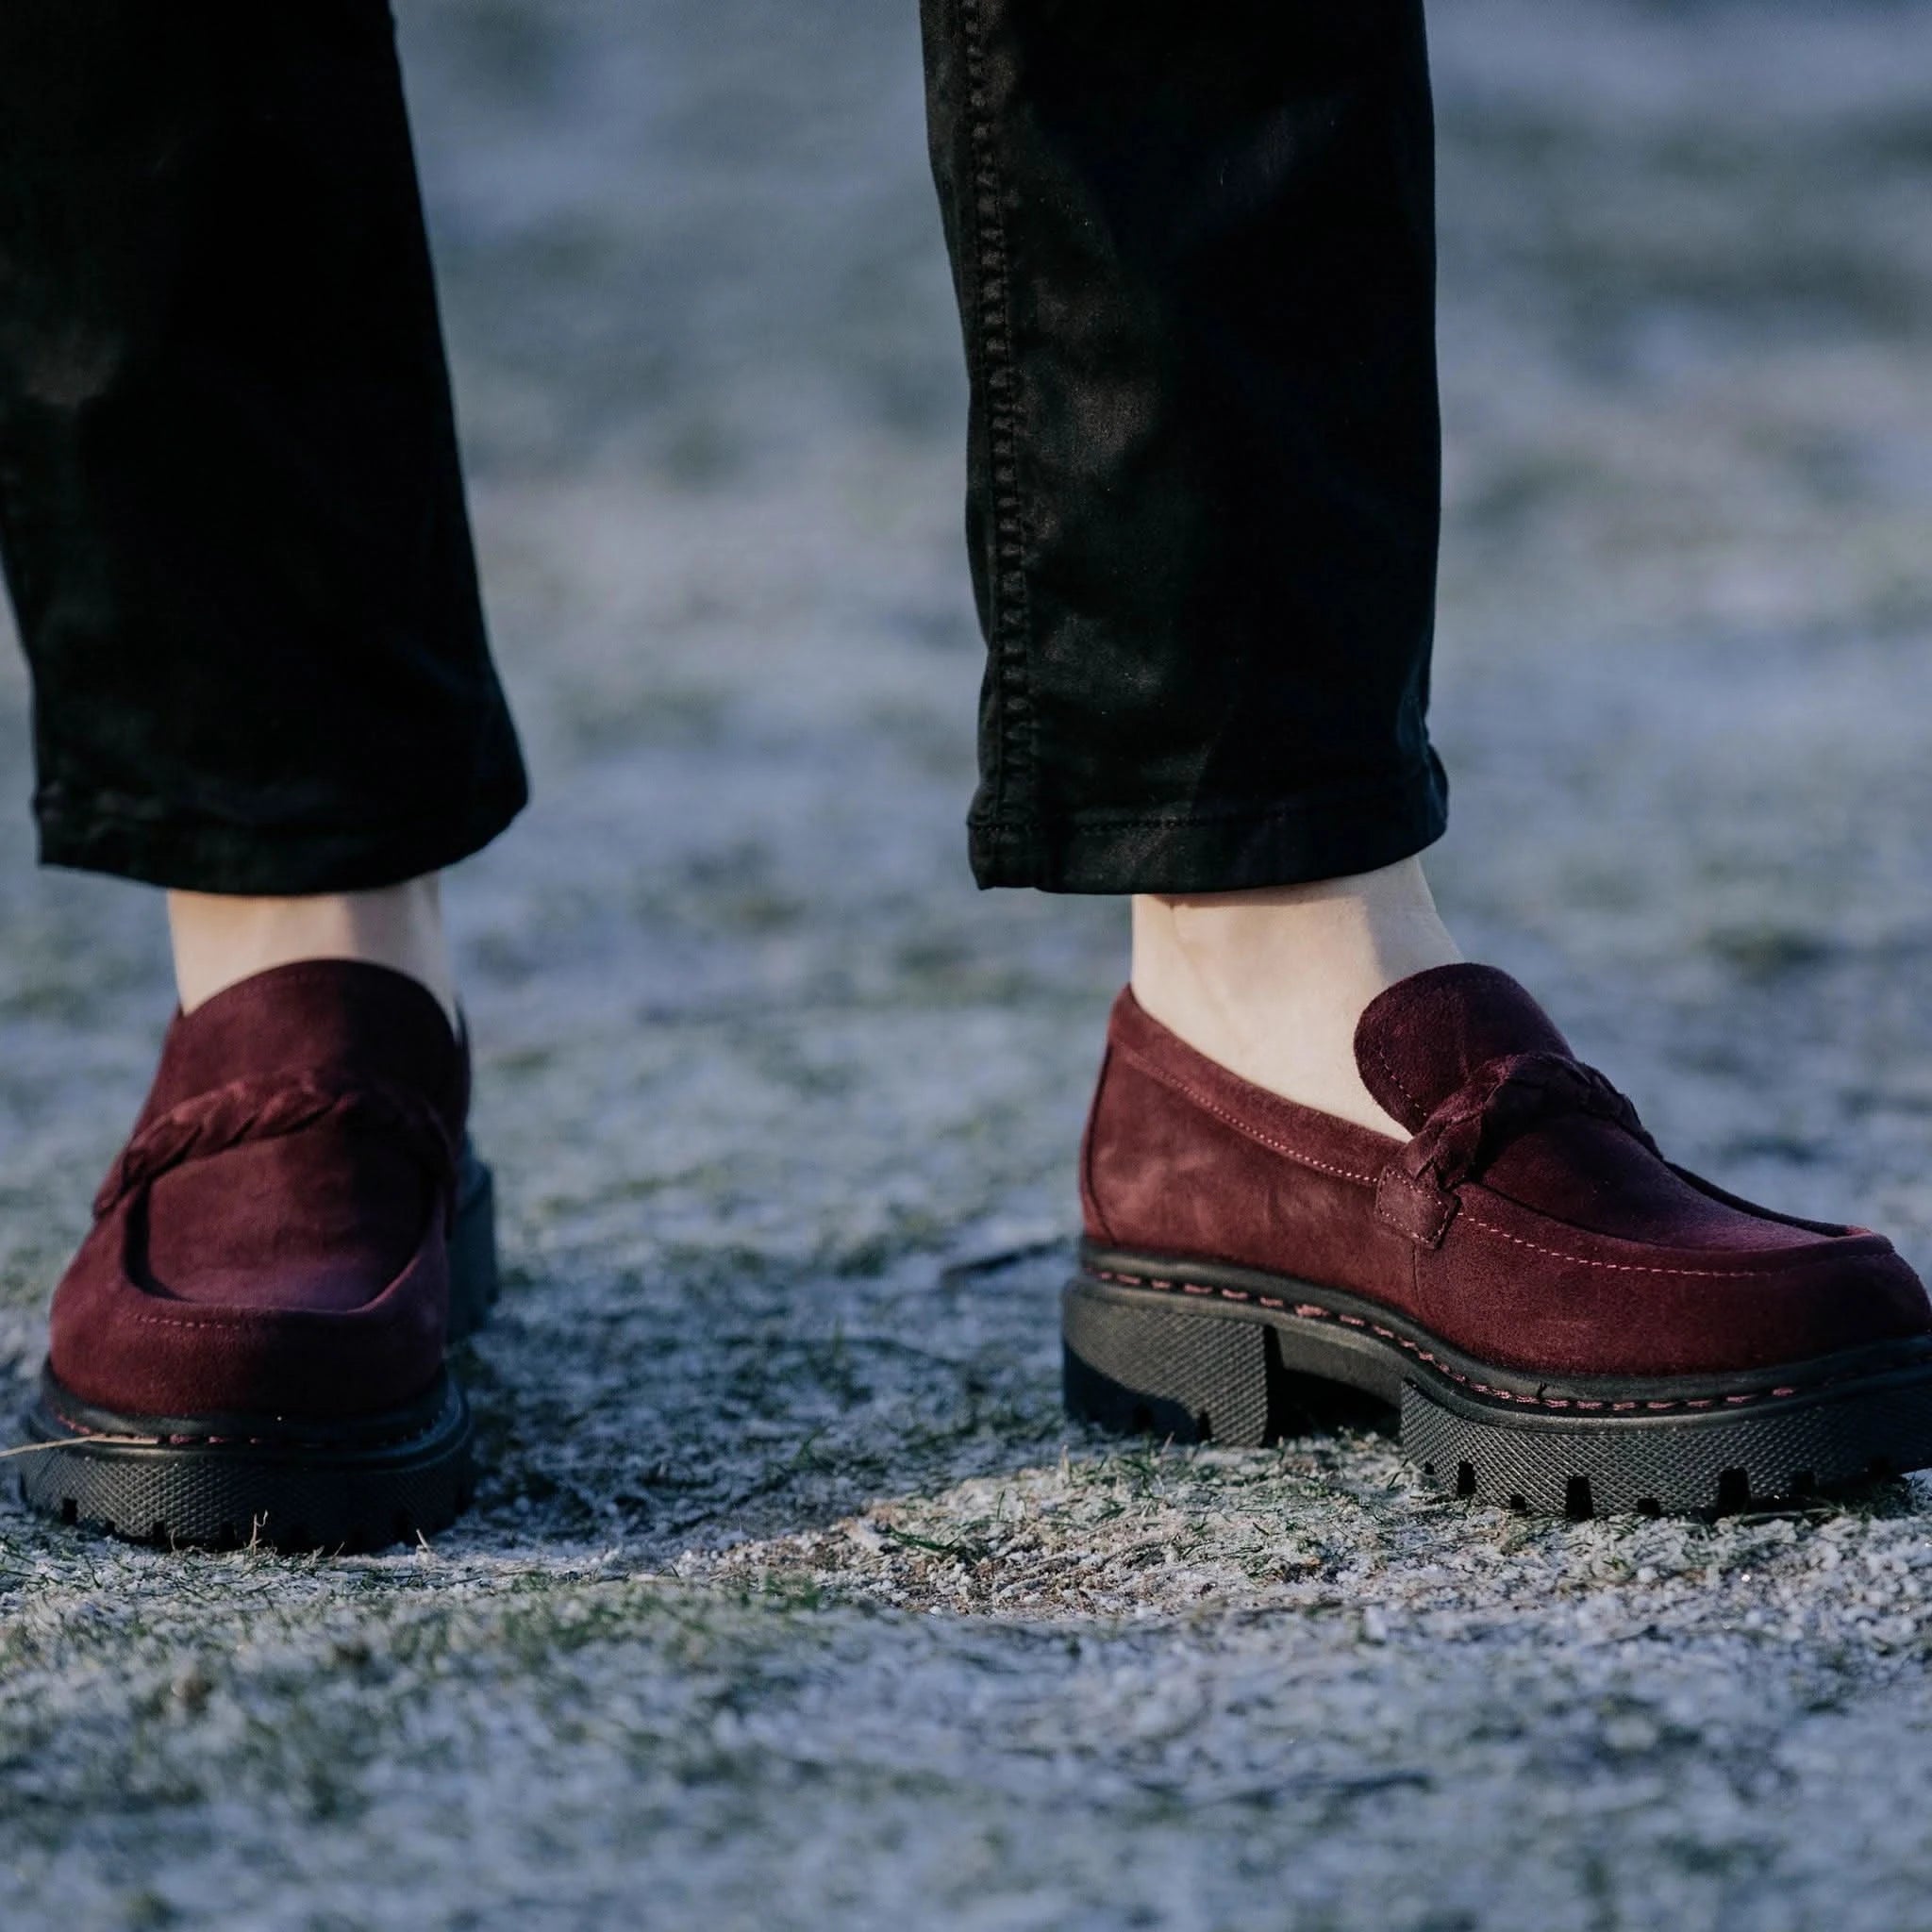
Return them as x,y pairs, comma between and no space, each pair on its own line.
1269,983
220,940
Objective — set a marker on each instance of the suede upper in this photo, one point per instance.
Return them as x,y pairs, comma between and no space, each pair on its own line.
1531,1220
272,1239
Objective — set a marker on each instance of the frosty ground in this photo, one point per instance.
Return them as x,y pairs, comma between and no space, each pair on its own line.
791,1599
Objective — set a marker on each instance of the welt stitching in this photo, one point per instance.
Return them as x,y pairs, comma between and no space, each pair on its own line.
1175,1084
1009,626
1315,1311
183,1441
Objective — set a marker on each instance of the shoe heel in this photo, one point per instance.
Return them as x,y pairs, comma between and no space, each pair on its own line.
473,1276
1185,1374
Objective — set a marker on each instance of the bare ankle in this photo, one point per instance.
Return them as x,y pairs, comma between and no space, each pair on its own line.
1271,983
220,940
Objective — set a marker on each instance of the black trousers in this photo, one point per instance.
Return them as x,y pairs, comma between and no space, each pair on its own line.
1194,251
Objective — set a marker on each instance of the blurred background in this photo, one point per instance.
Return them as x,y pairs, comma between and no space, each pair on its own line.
758,1066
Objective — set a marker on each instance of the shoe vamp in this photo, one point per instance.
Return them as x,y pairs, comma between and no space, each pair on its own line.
1593,1176
324,1220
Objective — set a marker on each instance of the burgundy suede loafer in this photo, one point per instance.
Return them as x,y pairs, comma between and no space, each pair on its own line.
1564,1320
249,1344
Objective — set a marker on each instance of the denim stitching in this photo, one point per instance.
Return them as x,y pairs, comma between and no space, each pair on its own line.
1009,620
81,815
1100,817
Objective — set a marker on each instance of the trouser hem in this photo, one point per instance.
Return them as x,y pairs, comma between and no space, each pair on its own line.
1203,848
265,862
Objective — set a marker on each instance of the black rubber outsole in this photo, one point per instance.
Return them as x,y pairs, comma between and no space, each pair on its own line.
229,1483
1197,1352
226,1482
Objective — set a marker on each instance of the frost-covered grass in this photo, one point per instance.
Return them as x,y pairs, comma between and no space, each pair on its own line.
790,1599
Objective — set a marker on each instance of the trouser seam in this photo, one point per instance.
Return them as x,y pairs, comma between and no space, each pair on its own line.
1010,617
1326,799
90,808
1288,842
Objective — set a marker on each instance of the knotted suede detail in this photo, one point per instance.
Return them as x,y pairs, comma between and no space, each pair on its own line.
264,1106
1500,1101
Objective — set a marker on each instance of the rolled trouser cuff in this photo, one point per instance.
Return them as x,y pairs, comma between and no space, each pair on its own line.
120,837
1207,848
231,503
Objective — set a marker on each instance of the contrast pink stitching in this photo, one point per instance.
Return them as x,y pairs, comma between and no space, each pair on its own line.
1400,1084
1315,1312
1175,1084
1589,1261
176,1442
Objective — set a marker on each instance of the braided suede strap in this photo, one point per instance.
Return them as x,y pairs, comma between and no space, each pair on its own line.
1502,1100
267,1107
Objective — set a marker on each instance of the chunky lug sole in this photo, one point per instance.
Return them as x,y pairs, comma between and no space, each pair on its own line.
1198,1351
226,1481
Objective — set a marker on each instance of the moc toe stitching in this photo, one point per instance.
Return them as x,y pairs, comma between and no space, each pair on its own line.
1742,1262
